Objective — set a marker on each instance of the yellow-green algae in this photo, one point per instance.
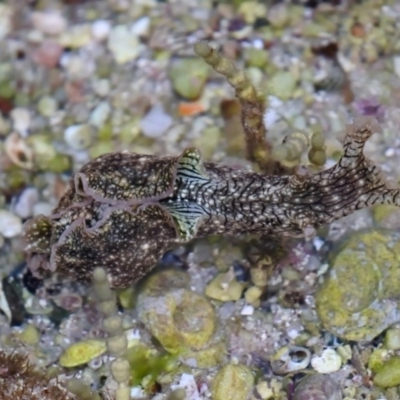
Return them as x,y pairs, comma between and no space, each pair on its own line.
389,374
82,352
147,364
357,298
233,382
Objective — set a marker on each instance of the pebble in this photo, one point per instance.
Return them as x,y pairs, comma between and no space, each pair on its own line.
188,383
42,208
21,118
49,22
47,106
396,65
141,27
101,87
100,114
4,125
247,310
82,352
79,137
188,77
329,361
366,259
5,20
26,201
101,30
389,374
123,44
156,122
47,54
233,382
10,224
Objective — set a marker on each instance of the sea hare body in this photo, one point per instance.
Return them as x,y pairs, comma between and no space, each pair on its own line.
123,210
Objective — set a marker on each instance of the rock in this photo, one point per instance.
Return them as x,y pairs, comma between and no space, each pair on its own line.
30,335
317,387
141,27
123,44
47,106
79,137
82,352
26,202
389,374
181,320
156,122
392,339
283,85
188,77
21,118
358,298
225,287
100,114
5,20
101,30
49,22
10,224
47,54
233,382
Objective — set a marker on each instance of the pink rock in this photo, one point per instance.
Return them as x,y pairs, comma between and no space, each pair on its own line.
47,54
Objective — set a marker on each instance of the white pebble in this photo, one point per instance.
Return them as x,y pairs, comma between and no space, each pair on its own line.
141,27
247,310
21,118
396,65
188,383
328,362
100,114
49,22
156,122
5,20
101,29
42,208
26,201
102,87
78,137
123,44
10,224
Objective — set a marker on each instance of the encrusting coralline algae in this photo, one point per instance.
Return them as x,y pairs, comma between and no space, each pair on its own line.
125,210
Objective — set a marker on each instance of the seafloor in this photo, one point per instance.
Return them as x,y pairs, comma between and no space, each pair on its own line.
221,318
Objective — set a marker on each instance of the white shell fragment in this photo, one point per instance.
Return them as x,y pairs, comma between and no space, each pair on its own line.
329,361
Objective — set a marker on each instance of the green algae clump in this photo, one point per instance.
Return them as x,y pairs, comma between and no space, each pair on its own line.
358,298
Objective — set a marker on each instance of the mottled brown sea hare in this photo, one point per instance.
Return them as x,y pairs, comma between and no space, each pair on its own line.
124,210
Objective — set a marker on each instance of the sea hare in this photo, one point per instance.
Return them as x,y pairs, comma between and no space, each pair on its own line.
122,210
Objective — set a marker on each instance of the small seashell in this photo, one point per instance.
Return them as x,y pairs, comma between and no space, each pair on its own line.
82,352
290,359
18,151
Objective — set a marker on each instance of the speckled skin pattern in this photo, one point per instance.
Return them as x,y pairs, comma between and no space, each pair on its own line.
123,211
